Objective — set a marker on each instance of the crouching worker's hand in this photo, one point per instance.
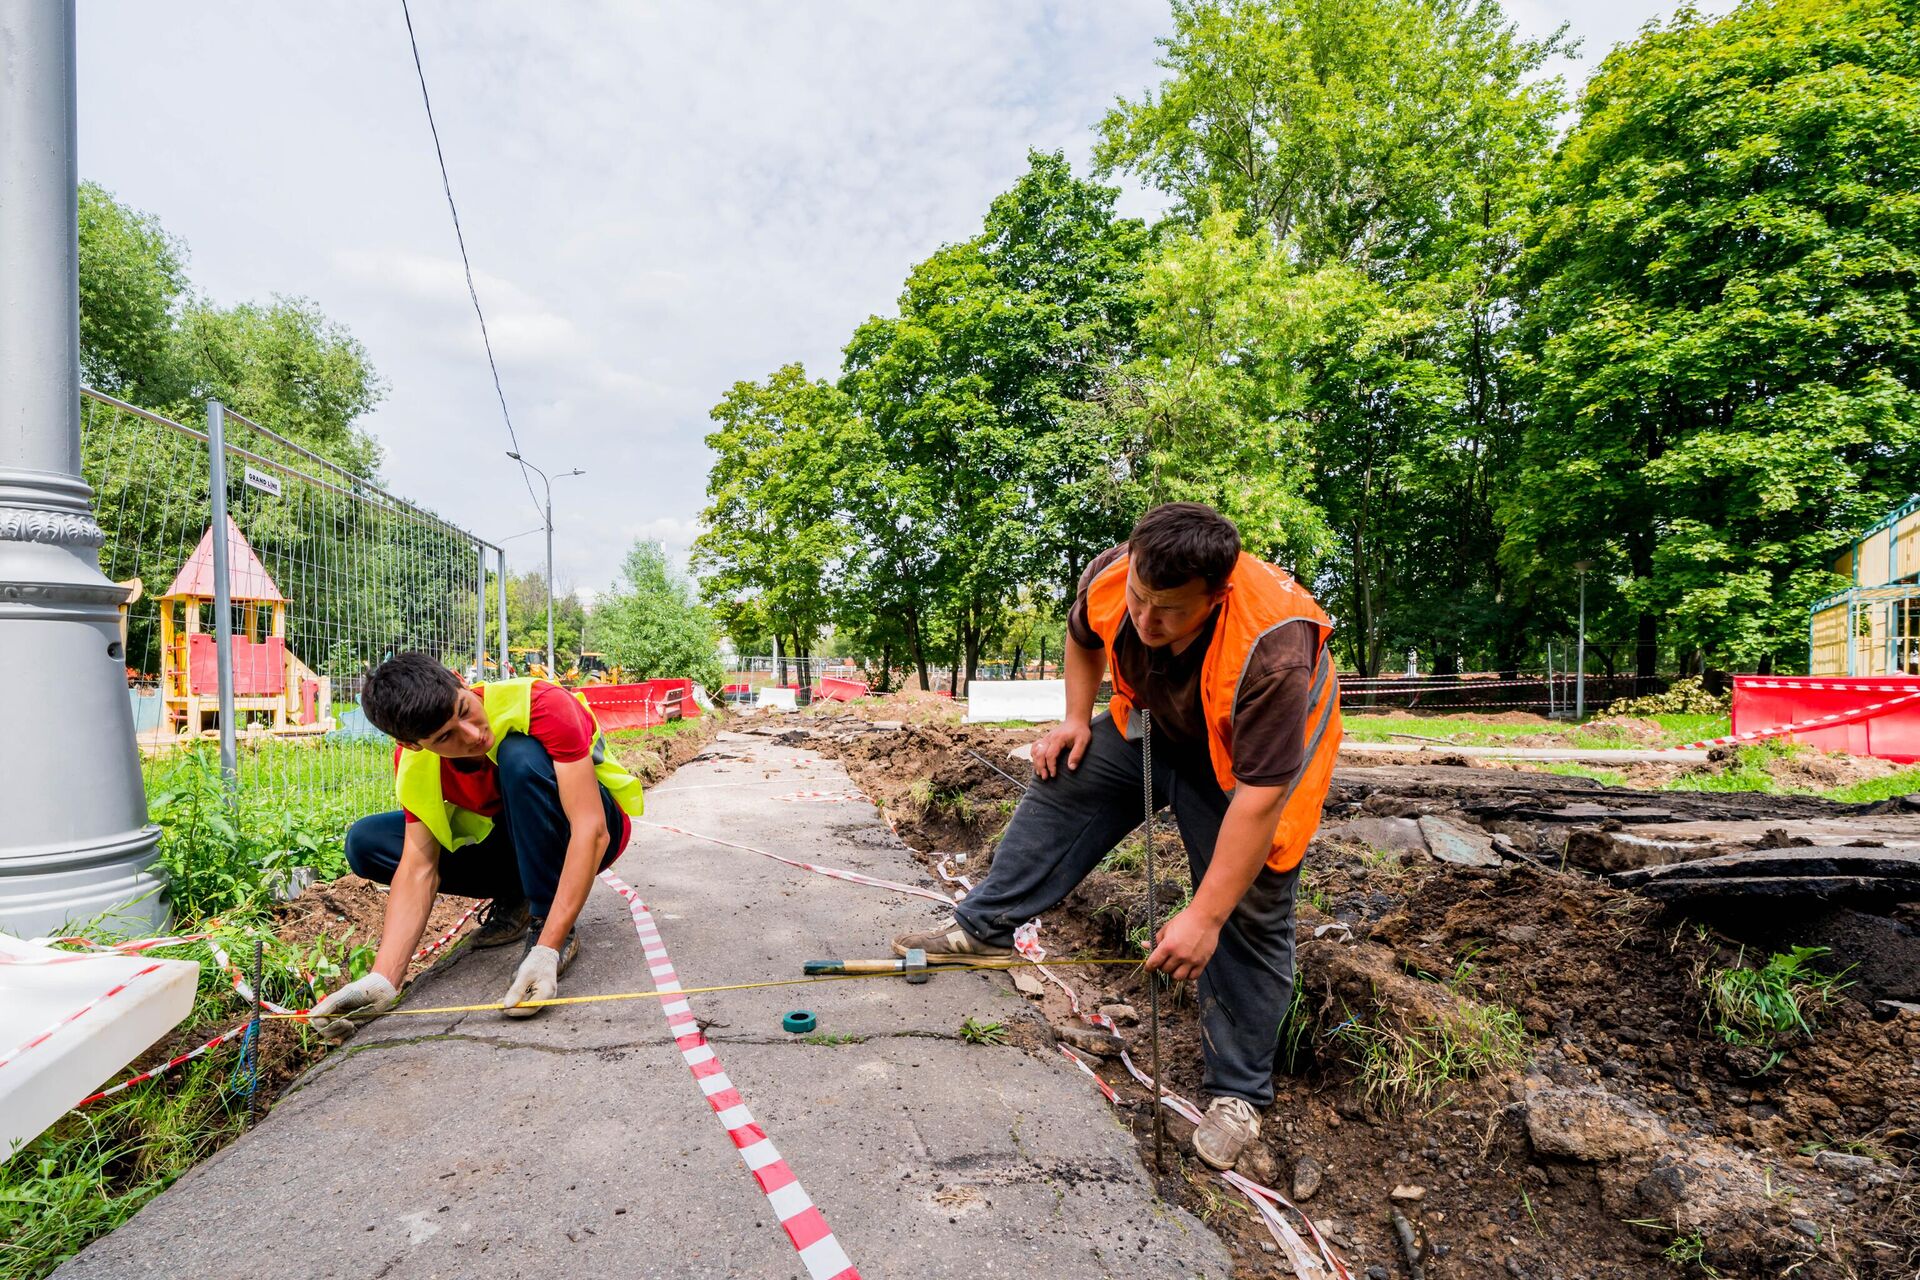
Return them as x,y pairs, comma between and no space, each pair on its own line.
367,998
538,979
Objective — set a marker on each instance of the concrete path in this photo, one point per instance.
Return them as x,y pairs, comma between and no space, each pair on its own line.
578,1144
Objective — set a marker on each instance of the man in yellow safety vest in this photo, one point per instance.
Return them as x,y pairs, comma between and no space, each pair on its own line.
507,791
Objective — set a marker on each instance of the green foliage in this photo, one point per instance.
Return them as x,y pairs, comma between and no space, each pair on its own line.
224,852
132,279
1401,1066
1747,771
1722,341
1772,1005
978,1031
651,627
1683,697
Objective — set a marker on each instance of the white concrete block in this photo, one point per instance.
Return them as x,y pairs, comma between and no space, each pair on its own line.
40,1084
775,698
1031,700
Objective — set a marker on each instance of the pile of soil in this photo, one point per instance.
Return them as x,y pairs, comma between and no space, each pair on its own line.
1627,1139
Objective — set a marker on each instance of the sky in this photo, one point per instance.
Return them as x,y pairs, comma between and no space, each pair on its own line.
658,200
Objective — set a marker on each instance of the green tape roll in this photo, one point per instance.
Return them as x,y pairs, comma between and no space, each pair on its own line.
800,1021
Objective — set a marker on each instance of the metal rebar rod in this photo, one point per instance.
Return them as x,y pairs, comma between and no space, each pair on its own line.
1153,918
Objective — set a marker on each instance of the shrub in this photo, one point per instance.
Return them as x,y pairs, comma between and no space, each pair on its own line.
1688,697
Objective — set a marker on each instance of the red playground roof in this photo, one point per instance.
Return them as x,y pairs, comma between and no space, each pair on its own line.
247,578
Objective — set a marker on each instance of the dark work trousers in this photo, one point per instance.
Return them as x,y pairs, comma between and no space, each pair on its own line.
521,856
1064,827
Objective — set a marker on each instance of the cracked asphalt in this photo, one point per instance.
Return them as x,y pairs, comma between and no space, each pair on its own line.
577,1144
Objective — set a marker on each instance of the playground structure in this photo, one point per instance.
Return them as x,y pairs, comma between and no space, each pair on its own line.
274,693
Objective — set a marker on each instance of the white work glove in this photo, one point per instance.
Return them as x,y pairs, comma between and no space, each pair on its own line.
538,979
369,997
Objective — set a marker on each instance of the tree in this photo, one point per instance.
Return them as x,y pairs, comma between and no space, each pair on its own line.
771,532
132,279
968,396
289,368
1723,336
651,626
1374,156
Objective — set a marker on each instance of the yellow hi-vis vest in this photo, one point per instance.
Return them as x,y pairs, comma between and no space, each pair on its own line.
509,708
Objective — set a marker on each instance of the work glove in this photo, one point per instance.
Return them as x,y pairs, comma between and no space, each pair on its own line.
367,998
538,979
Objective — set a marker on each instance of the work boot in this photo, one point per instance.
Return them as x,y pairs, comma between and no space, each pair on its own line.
949,944
568,949
502,923
1229,1125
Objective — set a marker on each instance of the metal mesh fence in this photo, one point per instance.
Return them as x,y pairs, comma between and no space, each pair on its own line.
327,574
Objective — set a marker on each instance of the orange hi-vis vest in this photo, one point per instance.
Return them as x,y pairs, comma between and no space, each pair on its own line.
1260,598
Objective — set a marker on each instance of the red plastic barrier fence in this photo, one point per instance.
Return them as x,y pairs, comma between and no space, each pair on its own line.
1761,701
641,705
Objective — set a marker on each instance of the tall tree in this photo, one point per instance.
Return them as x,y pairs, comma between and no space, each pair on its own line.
1727,360
132,281
651,626
771,530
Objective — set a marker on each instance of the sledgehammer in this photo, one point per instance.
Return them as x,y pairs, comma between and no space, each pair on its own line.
912,967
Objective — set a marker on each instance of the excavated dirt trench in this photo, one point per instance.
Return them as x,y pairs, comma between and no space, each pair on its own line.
1617,1136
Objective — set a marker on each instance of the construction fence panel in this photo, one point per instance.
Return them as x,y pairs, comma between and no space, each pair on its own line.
327,575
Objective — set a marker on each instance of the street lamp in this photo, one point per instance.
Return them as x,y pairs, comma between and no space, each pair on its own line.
1580,652
548,482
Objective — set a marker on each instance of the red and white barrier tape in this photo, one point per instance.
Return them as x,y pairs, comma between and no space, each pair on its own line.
154,1073
1830,688
1026,941
837,873
241,987
99,950
1831,721
35,1041
940,862
823,797
802,1220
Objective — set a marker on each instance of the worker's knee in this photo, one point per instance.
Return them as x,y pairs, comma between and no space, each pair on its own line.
523,760
368,851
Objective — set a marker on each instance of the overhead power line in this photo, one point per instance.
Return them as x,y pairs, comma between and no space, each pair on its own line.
446,184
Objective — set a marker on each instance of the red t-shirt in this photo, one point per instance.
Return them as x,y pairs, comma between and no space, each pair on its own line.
558,722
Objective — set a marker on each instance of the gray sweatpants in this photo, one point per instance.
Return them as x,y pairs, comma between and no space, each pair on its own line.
1062,829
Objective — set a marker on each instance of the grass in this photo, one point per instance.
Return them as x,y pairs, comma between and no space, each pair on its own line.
831,1038
1399,1068
1690,1250
1676,730
981,1031
96,1167
1772,1005
654,732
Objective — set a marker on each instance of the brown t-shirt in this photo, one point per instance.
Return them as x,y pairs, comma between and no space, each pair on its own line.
1269,713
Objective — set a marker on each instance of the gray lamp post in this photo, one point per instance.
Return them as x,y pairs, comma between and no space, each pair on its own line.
1580,651
75,843
551,673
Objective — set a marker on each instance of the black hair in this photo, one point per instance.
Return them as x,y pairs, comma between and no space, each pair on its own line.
410,696
1176,542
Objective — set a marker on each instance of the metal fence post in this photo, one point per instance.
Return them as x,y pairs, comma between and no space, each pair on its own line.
501,581
480,617
222,587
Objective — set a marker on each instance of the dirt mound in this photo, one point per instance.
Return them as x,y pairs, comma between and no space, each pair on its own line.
1620,1131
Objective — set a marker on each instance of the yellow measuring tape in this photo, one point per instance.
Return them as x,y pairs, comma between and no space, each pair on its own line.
698,991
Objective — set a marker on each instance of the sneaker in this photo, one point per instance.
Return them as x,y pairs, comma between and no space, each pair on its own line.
949,944
1224,1132
502,923
569,950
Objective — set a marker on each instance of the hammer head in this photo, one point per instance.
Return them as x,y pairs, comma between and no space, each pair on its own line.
914,966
